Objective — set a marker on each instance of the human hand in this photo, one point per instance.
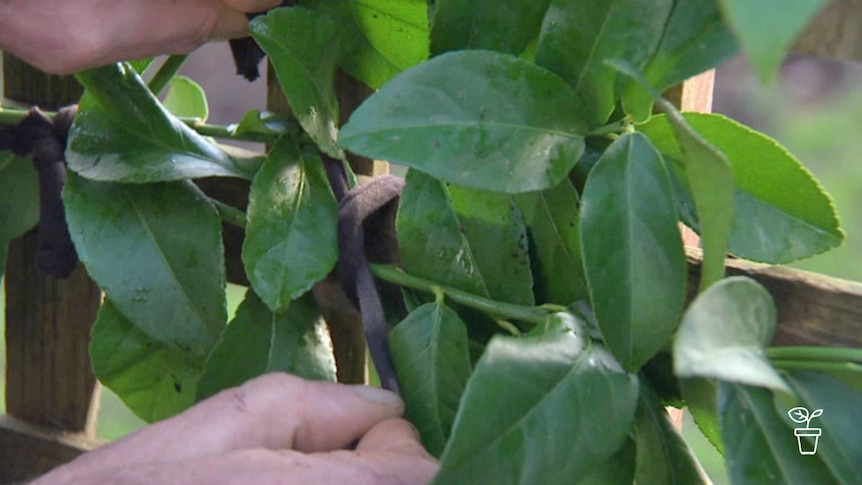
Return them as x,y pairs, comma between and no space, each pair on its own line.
276,429
64,36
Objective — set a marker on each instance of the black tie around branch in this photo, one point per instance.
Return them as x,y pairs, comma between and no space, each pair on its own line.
45,139
371,206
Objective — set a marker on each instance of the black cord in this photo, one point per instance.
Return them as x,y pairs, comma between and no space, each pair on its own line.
45,139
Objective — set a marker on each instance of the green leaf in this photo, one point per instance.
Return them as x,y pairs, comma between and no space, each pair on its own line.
632,249
662,454
695,40
840,444
539,410
724,333
392,36
619,469
430,352
552,220
156,250
477,119
495,230
759,446
155,380
186,98
503,26
782,212
264,123
442,242
578,36
291,238
700,398
304,47
258,341
430,239
710,178
122,133
19,200
766,43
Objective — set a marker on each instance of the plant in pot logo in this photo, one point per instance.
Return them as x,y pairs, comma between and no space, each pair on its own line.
801,415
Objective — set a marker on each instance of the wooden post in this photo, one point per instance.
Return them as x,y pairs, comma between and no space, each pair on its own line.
49,380
694,94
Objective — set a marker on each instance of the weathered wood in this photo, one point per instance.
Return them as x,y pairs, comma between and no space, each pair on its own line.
27,451
812,309
49,379
836,32
27,85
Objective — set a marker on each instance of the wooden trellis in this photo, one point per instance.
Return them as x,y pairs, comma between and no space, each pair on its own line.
50,388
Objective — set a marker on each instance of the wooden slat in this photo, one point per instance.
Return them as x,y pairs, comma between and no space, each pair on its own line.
28,450
812,309
49,381
836,32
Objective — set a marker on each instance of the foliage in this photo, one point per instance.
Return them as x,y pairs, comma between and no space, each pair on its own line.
541,210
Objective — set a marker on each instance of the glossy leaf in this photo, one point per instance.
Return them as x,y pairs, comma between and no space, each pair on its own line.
711,180
578,36
186,98
19,200
494,228
530,413
632,250
431,354
291,238
430,239
502,26
782,212
695,40
156,380
156,250
759,446
122,133
766,43
840,444
445,117
258,341
662,454
552,220
724,333
305,47
392,36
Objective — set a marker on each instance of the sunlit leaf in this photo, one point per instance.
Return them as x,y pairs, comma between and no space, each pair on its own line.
186,98
781,212
445,117
154,379
122,133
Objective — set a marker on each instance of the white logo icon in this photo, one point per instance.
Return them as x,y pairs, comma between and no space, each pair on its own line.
801,415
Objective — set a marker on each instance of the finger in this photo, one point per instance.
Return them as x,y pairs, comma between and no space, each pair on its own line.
260,467
274,411
252,5
394,435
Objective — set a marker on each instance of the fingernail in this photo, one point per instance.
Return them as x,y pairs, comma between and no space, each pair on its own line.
375,394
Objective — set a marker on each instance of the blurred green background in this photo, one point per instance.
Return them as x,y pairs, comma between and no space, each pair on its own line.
815,110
